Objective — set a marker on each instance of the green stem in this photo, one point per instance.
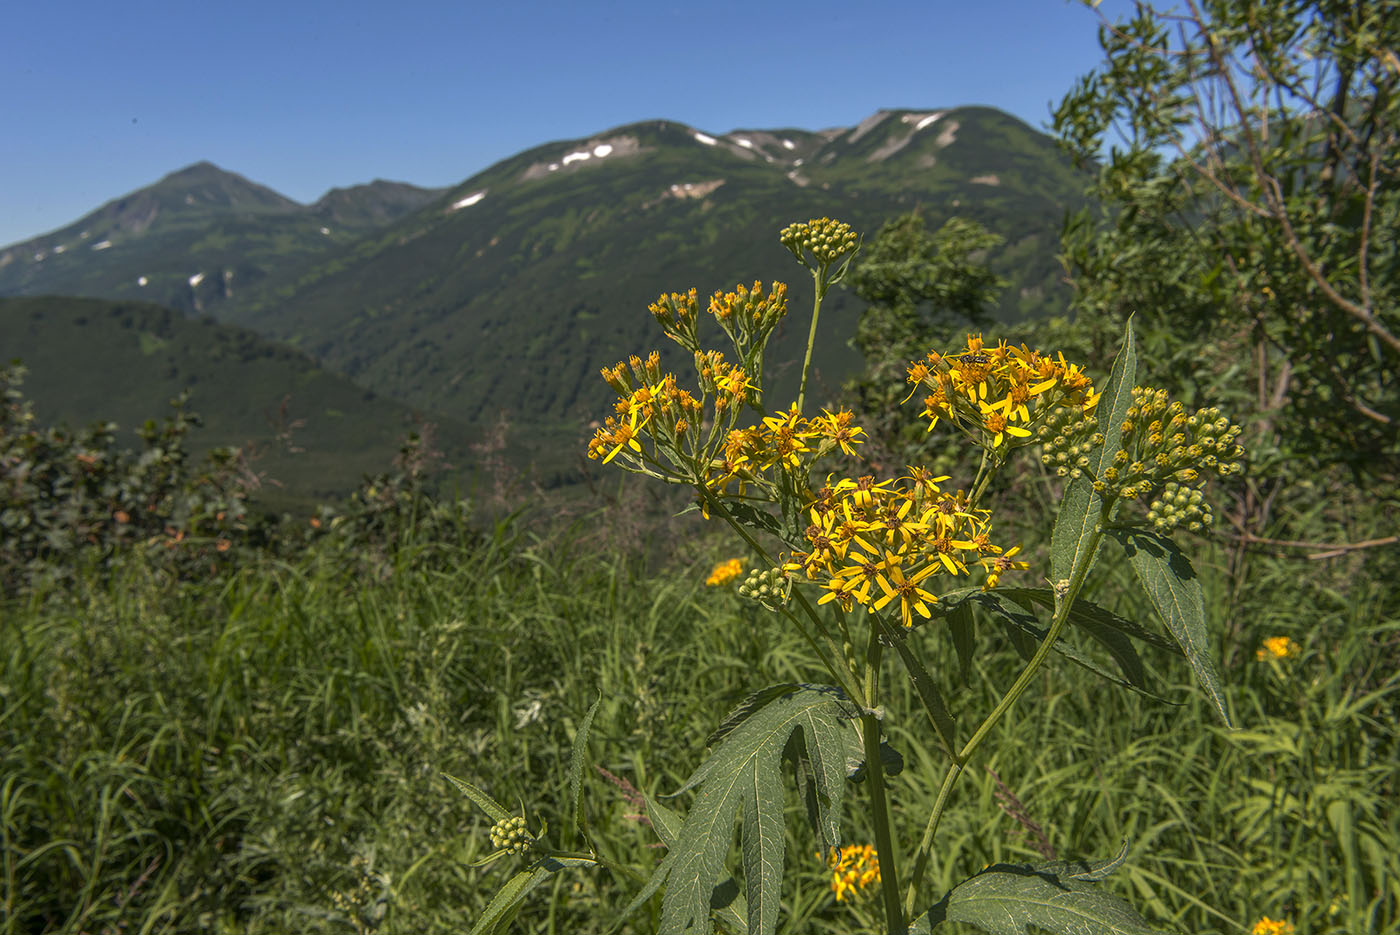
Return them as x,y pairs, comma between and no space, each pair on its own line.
811,337
879,804
849,683
1057,624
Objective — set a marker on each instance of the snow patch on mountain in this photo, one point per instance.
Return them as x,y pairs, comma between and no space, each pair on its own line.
705,138
101,245
468,201
923,120
594,149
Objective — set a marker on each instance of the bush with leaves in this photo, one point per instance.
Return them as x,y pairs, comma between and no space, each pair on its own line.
68,498
1247,193
870,573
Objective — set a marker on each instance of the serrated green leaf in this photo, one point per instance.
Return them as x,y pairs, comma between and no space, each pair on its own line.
577,820
506,903
741,775
1175,591
481,800
744,711
934,705
667,824
1055,896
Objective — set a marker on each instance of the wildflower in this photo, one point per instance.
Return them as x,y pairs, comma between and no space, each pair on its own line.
1267,926
1001,563
852,869
725,571
998,395
1277,647
911,596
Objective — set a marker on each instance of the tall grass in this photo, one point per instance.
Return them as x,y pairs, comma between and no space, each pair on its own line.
262,751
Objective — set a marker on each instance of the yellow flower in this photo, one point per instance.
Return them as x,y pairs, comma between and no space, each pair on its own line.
1277,647
1267,926
852,869
725,571
911,596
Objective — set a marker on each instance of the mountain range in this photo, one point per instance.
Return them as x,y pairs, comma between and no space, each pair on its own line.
503,295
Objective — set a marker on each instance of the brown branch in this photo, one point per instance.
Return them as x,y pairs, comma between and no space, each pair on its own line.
1328,549
1273,192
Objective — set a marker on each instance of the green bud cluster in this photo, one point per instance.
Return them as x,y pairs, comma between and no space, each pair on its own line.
1164,448
1066,438
509,835
769,588
827,240
1180,506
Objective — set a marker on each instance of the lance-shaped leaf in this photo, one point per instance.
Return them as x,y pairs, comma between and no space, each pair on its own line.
577,759
1056,896
493,809
1115,401
1171,583
1080,507
1086,612
924,684
1025,632
506,903
742,777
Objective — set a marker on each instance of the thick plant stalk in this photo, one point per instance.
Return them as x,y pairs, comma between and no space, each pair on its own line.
1057,625
879,804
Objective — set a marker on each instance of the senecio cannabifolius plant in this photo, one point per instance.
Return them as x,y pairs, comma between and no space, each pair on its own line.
861,568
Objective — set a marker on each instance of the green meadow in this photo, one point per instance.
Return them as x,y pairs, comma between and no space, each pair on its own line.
261,748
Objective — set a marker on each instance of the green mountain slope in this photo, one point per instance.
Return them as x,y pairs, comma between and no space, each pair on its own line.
91,359
502,296
196,239
511,290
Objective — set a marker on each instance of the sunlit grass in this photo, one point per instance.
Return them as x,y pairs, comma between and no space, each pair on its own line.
263,752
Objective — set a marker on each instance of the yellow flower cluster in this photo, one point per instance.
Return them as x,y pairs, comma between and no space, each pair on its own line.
1267,926
852,869
786,439
748,316
998,395
1277,647
725,572
875,543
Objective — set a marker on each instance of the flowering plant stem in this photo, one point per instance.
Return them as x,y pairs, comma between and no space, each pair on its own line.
1064,601
819,292
875,775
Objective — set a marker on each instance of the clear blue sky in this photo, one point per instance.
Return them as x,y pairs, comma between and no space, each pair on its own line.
100,98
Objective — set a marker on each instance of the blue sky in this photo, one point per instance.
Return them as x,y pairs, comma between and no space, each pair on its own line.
104,97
